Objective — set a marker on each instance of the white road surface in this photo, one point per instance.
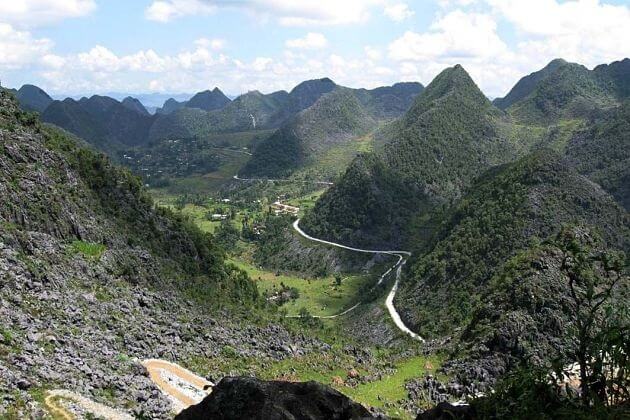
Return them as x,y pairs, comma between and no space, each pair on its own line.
389,302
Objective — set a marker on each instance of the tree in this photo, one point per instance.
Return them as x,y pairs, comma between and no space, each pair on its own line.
597,281
338,279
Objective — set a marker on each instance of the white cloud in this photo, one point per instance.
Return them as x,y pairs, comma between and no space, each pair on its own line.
311,41
215,44
457,35
286,12
373,53
398,12
19,48
166,10
36,12
587,31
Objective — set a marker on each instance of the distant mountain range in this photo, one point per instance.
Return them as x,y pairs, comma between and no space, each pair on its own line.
567,90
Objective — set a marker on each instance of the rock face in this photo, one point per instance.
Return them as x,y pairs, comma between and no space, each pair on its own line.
93,280
250,398
446,411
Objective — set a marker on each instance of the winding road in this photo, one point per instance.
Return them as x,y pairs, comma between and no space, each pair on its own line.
55,399
183,387
389,302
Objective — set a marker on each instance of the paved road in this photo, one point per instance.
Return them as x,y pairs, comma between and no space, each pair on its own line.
389,302
183,387
55,407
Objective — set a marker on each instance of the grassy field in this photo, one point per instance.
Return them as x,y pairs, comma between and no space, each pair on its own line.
385,390
320,297
391,388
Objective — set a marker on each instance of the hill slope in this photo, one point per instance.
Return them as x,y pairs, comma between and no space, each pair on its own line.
93,275
135,105
336,118
32,98
509,209
565,90
388,102
450,135
602,152
101,121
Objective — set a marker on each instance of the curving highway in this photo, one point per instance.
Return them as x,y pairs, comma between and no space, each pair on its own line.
389,302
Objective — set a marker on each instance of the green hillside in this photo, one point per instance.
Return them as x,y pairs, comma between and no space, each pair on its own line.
601,151
101,121
426,159
335,119
509,209
80,198
565,90
32,98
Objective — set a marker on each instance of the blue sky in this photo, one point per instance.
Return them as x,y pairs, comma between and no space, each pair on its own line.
140,46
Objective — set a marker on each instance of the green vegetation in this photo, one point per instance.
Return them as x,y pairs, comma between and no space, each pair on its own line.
429,157
566,90
601,151
88,249
387,373
336,118
320,296
508,209
392,387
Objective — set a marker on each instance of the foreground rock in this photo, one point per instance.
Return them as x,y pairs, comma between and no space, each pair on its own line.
250,398
447,411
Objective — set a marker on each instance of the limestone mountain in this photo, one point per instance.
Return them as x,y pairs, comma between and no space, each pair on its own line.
332,124
601,151
250,111
451,134
208,100
170,105
527,84
565,90
101,121
336,118
509,209
388,102
32,98
303,96
135,105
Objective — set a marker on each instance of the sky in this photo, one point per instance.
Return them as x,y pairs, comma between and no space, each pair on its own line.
74,47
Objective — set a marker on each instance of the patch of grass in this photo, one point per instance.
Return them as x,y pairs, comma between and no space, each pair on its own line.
88,249
390,389
318,296
328,367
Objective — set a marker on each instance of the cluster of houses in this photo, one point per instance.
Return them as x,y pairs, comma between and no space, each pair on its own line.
280,208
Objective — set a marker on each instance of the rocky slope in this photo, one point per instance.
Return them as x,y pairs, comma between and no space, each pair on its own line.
506,211
94,277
